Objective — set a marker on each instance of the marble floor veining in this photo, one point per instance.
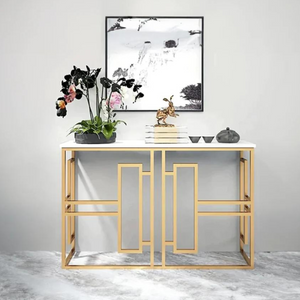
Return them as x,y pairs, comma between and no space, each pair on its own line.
38,276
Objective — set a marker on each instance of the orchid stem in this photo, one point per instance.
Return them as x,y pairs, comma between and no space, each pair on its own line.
108,106
89,104
97,101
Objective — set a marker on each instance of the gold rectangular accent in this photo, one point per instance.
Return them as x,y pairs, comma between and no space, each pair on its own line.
223,202
169,243
246,207
119,208
93,213
145,173
217,213
196,208
175,167
93,202
146,243
175,209
140,249
140,208
132,251
169,173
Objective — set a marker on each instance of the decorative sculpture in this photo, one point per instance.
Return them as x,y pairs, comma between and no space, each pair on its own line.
162,114
228,136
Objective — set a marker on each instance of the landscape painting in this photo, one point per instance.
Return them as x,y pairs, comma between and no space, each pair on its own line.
163,54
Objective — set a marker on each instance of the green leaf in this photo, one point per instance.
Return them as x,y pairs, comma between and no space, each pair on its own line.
97,131
83,123
98,121
118,122
108,130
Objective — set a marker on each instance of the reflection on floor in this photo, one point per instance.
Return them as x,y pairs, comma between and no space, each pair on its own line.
37,275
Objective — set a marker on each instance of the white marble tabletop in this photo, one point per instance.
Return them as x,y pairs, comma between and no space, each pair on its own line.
119,144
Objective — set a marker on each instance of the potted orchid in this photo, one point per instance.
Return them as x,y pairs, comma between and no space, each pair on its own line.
101,126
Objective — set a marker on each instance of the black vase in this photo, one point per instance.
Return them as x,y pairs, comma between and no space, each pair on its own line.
93,138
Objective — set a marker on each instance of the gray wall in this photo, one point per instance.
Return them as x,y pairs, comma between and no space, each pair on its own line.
252,77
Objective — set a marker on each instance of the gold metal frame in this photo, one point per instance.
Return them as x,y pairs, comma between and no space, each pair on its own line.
245,204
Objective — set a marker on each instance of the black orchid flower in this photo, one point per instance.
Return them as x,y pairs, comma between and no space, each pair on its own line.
68,78
89,83
97,72
61,112
106,82
65,91
73,72
79,94
65,84
115,87
78,82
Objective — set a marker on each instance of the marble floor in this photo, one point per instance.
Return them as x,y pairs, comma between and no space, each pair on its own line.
38,276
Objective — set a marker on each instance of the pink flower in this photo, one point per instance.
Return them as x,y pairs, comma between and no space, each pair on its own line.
115,99
72,89
72,94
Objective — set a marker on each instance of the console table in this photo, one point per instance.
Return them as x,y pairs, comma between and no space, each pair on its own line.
245,202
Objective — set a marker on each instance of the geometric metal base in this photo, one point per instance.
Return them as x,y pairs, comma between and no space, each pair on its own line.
245,212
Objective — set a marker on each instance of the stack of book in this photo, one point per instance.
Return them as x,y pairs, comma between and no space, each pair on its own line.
166,135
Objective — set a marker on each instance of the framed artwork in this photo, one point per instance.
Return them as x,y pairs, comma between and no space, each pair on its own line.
163,54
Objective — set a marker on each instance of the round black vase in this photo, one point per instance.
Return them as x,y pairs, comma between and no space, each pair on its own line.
93,138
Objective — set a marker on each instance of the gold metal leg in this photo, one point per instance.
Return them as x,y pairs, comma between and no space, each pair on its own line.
63,221
73,199
247,206
242,192
252,208
246,193
152,208
163,208
69,196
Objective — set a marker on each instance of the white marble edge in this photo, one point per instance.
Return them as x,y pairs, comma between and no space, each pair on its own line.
141,144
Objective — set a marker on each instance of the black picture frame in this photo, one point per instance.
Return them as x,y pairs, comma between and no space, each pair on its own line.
160,17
